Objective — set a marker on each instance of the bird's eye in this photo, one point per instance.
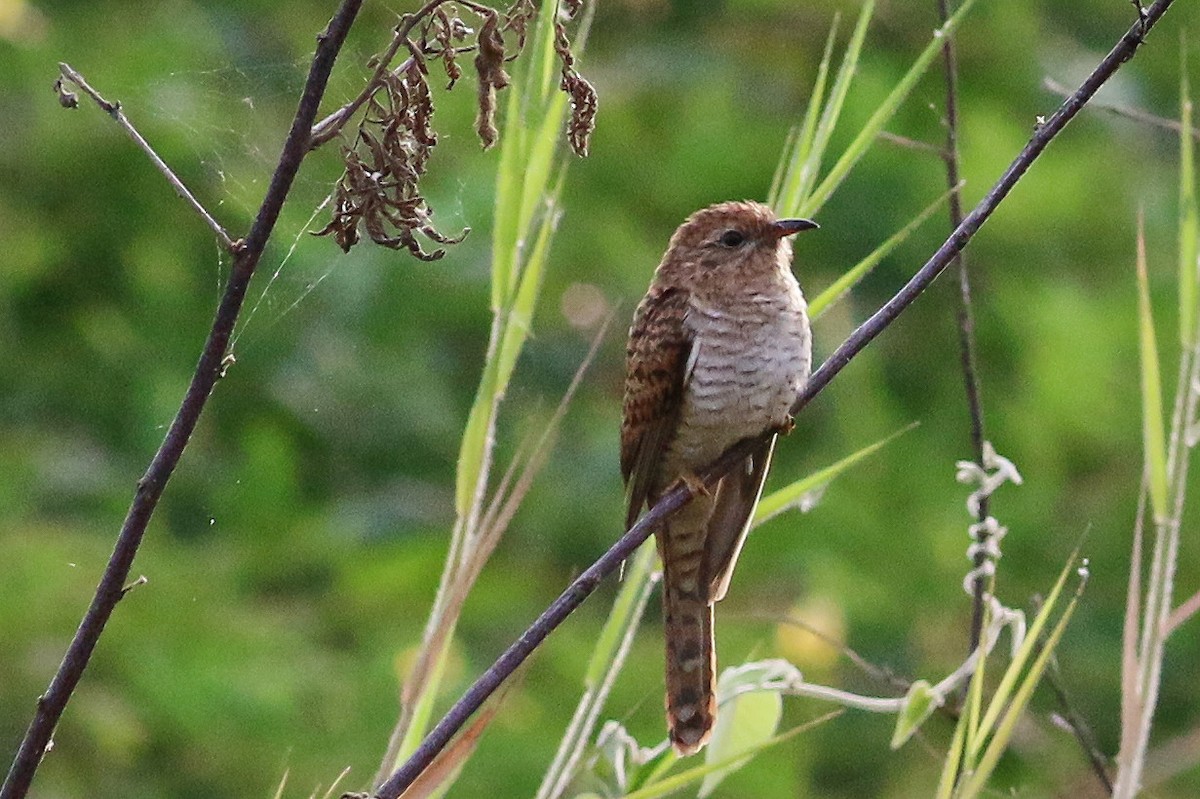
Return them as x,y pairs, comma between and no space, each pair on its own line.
732,238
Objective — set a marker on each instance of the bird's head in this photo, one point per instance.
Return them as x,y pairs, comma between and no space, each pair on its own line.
730,242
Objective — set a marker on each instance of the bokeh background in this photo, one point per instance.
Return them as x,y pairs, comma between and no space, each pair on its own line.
297,549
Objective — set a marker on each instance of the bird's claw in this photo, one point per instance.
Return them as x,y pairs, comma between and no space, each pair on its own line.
694,484
787,426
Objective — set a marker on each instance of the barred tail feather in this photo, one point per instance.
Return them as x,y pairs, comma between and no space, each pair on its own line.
691,667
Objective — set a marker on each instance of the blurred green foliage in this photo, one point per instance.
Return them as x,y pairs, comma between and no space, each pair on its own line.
295,553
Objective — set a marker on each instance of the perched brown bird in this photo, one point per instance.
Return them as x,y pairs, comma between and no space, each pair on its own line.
718,349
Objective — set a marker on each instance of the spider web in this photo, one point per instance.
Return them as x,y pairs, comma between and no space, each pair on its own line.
222,130
225,127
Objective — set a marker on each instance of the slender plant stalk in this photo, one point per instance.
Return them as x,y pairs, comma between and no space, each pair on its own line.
528,183
1159,598
209,369
583,586
965,314
1164,479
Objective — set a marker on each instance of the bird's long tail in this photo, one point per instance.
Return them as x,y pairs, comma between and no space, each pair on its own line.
691,650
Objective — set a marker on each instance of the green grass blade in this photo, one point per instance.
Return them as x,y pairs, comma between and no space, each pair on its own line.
1153,441
540,161
783,170
624,613
945,789
799,144
527,158
809,158
1008,683
778,501
1188,224
472,451
608,655
423,707
840,287
883,114
507,205
520,315
972,730
1004,730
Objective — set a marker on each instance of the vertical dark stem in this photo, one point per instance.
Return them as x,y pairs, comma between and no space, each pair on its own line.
966,319
50,705
966,341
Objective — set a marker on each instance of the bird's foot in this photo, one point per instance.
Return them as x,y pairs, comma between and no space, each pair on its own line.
694,484
788,425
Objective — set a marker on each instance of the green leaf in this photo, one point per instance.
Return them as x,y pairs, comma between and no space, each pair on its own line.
795,494
423,707
883,114
508,191
1153,440
847,281
945,789
1188,224
529,147
919,704
749,716
744,723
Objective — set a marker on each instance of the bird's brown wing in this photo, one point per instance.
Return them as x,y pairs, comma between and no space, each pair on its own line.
655,378
736,497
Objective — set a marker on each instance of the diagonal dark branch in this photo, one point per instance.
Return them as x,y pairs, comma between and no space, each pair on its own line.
677,497
211,365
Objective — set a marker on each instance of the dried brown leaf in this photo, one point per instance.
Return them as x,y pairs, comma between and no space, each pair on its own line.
489,63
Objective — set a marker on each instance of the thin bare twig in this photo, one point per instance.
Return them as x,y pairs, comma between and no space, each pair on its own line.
331,125
1070,716
50,705
583,586
114,111
912,144
1129,112
1182,613
882,674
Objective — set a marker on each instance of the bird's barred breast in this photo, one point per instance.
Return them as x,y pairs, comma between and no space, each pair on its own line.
749,360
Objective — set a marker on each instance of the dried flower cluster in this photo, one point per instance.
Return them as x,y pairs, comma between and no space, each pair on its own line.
380,190
581,92
381,184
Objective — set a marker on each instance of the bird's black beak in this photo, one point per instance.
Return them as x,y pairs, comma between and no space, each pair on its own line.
788,227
